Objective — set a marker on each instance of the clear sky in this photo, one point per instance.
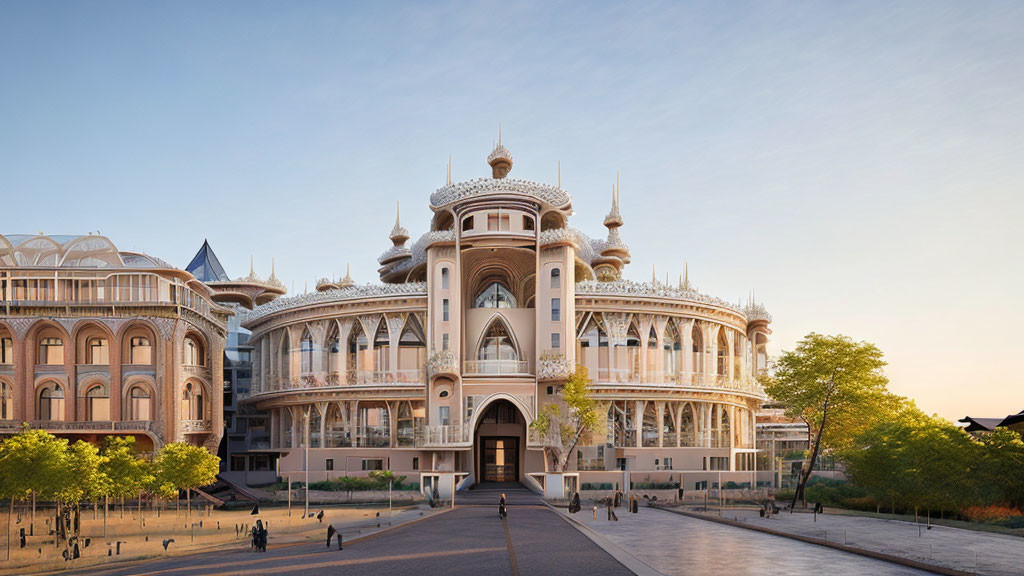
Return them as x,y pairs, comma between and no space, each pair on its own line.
860,166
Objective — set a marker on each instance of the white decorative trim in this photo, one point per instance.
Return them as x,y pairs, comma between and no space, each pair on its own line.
339,295
548,194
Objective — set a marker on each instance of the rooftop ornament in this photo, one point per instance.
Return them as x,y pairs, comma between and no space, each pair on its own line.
338,295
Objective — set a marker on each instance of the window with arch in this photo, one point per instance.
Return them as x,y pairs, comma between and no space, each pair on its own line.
6,401
382,348
193,353
497,353
97,351
51,402
495,295
286,356
673,349
698,347
192,407
139,404
51,351
412,351
333,350
140,350
722,353
405,425
467,224
306,351
592,351
359,355
6,351
444,278
556,278
97,403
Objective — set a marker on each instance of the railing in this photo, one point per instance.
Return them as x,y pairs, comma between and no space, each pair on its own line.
442,435
197,425
414,376
685,379
72,426
373,437
496,367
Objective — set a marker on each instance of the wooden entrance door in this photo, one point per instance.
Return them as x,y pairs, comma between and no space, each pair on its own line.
499,459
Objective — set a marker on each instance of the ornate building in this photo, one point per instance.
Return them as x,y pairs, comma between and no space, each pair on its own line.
95,341
438,371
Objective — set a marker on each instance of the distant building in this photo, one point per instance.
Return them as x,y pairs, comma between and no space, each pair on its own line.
978,426
95,341
245,446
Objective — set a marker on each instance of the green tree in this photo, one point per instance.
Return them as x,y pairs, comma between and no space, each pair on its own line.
186,467
128,473
574,415
1001,467
836,386
31,462
85,479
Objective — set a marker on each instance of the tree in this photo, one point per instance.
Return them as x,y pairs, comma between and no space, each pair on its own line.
31,462
127,472
186,467
567,420
1001,471
85,479
836,386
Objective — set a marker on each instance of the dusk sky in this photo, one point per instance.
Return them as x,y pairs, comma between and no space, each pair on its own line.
859,166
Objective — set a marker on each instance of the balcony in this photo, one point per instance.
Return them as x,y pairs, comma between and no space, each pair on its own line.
88,426
386,377
196,426
441,435
679,379
496,367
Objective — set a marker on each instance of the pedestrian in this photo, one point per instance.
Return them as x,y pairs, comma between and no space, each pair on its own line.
574,504
502,513
611,510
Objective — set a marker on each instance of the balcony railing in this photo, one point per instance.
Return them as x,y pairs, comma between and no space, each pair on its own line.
373,437
496,367
197,425
385,377
73,426
684,379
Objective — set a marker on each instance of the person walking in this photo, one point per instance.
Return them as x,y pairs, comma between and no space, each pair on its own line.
611,510
502,513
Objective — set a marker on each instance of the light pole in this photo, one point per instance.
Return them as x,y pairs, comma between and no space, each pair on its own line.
305,460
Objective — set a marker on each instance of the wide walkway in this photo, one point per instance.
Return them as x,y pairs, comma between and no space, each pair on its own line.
678,545
469,540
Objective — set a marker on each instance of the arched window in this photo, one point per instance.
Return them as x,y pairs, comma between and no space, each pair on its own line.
193,353
97,351
192,407
6,402
412,351
405,428
672,348
698,347
51,351
556,278
306,349
51,402
382,348
497,353
139,406
140,351
496,295
444,278
335,428
360,359
6,351
97,402
315,441
627,358
333,352
723,353
592,351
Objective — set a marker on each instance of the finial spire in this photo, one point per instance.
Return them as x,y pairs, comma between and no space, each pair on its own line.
252,269
654,275
499,133
449,183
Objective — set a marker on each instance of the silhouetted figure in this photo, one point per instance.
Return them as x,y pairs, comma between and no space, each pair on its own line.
167,543
330,534
255,509
611,509
574,504
259,536
320,516
502,513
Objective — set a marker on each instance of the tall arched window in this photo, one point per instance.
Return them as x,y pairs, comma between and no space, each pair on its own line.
6,351
97,402
51,351
360,357
495,295
723,353
444,278
405,428
382,348
286,356
315,441
497,353
333,351
51,402
6,402
593,351
672,348
139,407
307,350
192,407
140,351
97,351
556,278
412,351
193,353
698,347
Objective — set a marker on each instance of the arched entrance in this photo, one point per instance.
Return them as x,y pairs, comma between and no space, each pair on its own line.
499,443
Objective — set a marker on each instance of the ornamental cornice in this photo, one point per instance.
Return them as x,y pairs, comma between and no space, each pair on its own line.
629,288
339,295
552,195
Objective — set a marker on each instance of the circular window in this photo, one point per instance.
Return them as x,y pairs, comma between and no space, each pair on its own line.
443,394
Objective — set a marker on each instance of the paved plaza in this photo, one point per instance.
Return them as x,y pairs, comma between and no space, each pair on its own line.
469,540
677,545
997,554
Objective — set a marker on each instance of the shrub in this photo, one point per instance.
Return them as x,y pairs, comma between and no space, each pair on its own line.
998,514
596,486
